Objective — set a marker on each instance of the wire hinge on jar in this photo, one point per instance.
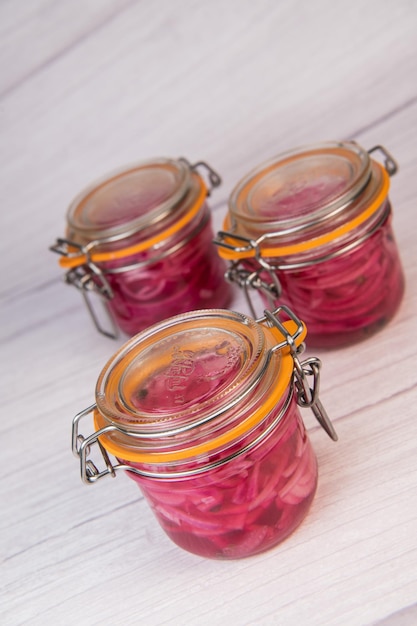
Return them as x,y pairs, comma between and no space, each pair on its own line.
213,176
390,163
88,278
249,280
307,397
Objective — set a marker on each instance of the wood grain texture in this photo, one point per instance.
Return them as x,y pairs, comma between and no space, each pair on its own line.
86,87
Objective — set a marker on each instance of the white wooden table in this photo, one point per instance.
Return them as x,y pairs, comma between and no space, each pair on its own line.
88,86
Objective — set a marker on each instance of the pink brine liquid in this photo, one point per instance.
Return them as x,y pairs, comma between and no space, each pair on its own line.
188,278
246,505
349,297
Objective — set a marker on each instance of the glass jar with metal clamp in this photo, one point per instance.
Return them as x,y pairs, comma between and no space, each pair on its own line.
312,229
141,239
202,411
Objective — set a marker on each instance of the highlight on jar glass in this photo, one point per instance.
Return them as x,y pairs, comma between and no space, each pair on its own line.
312,229
141,239
202,412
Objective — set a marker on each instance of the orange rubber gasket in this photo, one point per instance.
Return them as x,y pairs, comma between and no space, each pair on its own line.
309,244
139,456
68,262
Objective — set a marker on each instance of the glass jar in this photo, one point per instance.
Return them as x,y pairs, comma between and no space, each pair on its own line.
142,240
312,229
202,412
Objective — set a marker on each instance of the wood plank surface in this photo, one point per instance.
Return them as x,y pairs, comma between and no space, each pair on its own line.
87,87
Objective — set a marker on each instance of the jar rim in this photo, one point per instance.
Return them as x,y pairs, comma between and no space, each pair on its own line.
301,187
130,199
145,457
311,235
101,250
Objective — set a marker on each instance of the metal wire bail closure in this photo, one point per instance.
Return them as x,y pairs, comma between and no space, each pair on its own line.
288,332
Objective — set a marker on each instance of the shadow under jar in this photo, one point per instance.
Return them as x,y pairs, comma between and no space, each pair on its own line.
312,229
142,240
202,412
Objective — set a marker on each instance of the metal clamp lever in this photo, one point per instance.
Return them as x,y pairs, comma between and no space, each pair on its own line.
81,448
89,471
308,397
90,279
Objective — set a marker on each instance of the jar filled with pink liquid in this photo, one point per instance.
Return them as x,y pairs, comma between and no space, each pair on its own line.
141,239
202,412
312,229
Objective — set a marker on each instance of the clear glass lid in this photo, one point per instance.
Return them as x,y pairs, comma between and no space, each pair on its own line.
188,371
302,188
131,199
